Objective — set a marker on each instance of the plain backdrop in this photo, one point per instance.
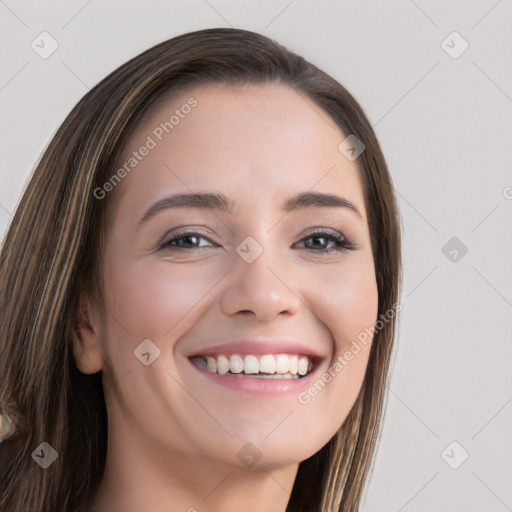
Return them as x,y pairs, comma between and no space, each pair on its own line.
435,80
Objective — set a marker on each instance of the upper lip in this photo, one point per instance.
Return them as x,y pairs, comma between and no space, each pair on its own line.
259,347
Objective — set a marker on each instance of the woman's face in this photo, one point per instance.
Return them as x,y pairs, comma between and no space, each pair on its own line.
235,286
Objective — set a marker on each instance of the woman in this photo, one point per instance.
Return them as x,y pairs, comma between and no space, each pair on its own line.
199,291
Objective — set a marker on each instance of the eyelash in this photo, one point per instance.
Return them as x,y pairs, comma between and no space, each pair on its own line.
341,242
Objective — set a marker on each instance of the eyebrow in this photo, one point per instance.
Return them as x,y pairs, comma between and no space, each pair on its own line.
221,203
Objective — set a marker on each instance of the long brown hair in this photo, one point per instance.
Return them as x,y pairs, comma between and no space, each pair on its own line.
51,256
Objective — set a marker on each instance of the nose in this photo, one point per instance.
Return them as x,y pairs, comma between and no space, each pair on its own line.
264,288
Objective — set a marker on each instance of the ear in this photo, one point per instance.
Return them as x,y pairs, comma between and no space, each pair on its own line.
87,346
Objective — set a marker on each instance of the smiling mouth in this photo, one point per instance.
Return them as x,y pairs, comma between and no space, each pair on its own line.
268,366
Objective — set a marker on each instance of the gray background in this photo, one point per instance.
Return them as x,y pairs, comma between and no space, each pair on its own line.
444,122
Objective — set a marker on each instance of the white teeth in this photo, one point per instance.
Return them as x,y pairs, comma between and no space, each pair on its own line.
211,364
267,364
222,365
251,364
302,365
293,365
264,366
282,364
236,364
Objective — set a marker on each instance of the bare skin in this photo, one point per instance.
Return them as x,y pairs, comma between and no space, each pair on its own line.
174,435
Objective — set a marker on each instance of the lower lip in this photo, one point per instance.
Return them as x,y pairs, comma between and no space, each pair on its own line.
259,386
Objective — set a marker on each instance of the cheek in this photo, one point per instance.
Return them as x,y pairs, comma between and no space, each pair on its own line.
347,302
153,298
150,300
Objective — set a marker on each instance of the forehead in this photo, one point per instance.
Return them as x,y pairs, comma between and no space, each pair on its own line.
252,142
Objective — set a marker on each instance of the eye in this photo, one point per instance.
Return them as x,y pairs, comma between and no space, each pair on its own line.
337,241
191,239
332,242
